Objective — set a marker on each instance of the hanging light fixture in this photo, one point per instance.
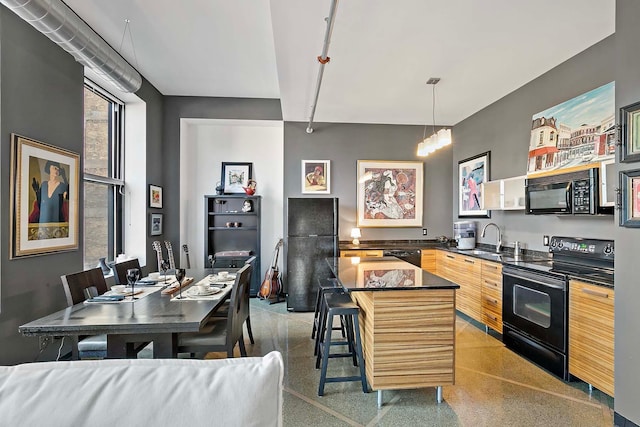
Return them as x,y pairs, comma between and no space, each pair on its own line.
439,139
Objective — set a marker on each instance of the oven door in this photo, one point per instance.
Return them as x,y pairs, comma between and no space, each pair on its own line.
535,304
548,198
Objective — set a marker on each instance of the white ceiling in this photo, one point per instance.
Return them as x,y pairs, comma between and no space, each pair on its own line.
381,51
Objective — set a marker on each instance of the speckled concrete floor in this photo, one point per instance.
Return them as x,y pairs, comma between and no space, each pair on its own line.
494,386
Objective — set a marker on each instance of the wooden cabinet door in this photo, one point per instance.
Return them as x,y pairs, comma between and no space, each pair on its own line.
492,295
466,273
428,260
591,334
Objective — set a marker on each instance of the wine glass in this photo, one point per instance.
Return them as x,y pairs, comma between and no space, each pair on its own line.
133,275
164,265
180,273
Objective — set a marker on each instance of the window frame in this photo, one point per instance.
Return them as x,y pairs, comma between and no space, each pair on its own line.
116,162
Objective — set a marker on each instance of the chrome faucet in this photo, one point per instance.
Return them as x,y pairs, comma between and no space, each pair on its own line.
498,236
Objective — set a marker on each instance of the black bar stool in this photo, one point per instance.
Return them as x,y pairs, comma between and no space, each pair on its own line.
340,305
325,286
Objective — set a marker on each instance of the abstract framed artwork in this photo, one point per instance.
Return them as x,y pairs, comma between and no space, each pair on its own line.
44,198
389,193
471,173
315,177
155,224
155,196
630,194
235,176
630,133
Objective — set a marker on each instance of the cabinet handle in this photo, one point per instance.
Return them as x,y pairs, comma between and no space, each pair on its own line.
495,267
494,284
470,261
450,256
495,301
595,293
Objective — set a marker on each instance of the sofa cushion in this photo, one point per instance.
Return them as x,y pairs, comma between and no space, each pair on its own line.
164,392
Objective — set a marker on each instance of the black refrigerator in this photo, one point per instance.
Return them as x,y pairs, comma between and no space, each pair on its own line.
312,236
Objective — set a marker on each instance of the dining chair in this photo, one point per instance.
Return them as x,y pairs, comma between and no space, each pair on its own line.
222,334
222,311
77,288
121,270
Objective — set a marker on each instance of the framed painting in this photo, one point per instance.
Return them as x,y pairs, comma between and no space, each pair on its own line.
155,224
630,133
389,193
44,198
471,173
155,196
235,176
315,177
630,192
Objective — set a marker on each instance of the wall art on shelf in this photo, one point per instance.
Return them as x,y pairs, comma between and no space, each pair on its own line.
630,195
155,196
235,176
576,132
389,193
630,133
155,224
471,173
44,198
315,177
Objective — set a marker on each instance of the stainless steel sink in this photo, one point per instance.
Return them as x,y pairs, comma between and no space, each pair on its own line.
486,254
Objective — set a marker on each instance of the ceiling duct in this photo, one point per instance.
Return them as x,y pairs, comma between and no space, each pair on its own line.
57,21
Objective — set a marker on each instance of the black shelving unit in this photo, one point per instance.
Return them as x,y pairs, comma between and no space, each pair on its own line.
222,236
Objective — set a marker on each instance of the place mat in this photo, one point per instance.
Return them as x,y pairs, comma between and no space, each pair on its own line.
112,297
215,279
190,295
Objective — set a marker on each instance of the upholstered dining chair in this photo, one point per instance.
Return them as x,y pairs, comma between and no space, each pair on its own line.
122,267
222,334
222,311
77,288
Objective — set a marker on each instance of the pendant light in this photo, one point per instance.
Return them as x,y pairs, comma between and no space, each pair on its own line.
439,139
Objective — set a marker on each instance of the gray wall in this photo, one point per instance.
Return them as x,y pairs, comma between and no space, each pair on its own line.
504,129
41,92
344,145
627,248
42,96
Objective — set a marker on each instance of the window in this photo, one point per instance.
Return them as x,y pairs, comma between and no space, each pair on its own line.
103,180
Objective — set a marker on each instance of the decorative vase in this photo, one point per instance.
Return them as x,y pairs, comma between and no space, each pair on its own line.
219,188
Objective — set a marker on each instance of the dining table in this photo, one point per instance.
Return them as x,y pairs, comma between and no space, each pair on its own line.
157,317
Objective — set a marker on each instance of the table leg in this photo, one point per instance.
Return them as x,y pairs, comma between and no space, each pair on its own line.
439,394
379,398
165,346
116,347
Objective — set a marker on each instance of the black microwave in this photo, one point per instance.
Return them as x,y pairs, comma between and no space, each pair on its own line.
572,193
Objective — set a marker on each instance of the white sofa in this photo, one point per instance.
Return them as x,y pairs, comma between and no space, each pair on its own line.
162,392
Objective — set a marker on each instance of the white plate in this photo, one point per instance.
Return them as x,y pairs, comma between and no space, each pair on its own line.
214,278
196,292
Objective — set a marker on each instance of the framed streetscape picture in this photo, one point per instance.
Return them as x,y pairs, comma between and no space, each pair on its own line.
471,173
235,176
389,193
315,177
44,198
155,196
155,224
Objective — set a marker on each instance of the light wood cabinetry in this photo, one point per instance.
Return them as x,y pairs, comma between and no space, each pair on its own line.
465,271
362,253
591,334
491,278
428,260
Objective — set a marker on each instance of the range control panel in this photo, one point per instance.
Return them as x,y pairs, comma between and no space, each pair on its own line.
577,247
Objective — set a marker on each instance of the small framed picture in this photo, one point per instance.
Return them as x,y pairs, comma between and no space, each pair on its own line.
235,176
472,172
630,133
155,224
315,177
155,196
630,192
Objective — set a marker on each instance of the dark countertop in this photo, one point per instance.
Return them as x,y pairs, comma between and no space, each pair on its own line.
384,274
392,244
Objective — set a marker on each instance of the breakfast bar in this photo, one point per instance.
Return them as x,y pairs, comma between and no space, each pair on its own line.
407,322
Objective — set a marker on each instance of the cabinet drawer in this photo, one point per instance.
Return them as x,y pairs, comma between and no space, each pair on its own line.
362,253
492,320
428,260
492,270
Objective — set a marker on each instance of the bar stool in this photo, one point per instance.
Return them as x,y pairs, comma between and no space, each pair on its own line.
340,305
325,286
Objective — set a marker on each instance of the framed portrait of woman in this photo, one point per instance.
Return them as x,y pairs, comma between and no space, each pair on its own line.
44,198
315,177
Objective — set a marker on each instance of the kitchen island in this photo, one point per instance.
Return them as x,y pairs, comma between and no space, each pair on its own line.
407,322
